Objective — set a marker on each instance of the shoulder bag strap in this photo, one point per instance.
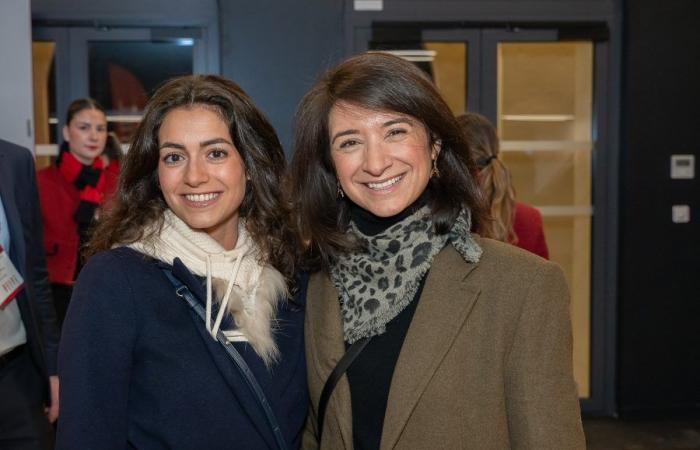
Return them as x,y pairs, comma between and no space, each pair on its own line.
182,291
345,362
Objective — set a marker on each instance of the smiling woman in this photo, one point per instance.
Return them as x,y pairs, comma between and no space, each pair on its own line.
192,263
201,173
448,340
383,160
71,193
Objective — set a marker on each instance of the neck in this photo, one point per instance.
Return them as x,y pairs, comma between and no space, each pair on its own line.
371,225
82,160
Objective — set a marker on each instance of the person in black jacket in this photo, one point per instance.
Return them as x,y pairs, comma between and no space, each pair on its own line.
28,329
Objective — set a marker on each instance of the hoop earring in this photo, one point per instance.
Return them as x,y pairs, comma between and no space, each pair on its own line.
340,193
435,172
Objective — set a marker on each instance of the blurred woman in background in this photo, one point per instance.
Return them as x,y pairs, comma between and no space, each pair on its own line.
510,221
71,193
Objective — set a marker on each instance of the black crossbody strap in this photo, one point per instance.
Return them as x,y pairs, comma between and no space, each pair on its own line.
182,291
345,362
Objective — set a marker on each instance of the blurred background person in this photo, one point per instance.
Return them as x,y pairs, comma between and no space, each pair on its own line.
510,221
71,192
28,329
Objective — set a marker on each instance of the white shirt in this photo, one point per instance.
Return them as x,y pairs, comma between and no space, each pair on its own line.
12,332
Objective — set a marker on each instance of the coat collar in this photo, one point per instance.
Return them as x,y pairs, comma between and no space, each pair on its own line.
445,304
7,192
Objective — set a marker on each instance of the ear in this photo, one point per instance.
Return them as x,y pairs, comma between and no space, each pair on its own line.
65,133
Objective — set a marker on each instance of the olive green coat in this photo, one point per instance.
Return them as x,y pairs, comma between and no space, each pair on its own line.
486,363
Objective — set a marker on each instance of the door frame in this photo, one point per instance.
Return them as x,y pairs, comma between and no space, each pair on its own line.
71,57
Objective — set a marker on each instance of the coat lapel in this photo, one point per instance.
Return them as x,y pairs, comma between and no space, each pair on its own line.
13,217
329,344
445,304
223,362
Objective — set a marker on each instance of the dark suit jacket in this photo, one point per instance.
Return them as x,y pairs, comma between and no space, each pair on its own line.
21,203
138,369
486,363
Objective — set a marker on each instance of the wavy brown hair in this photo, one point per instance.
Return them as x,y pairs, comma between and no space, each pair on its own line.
379,82
494,177
138,202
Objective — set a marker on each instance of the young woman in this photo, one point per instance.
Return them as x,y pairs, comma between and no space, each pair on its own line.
71,193
511,221
459,341
191,262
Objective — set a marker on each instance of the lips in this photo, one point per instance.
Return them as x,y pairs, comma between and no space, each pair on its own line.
381,185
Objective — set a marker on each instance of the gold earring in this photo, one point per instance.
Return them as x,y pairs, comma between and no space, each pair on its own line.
340,194
435,172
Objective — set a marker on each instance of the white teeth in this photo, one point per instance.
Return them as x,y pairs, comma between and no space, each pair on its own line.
384,184
201,197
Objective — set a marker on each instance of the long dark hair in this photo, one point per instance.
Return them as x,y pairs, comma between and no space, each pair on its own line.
378,82
139,202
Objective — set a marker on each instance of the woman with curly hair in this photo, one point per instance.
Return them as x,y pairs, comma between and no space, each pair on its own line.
181,333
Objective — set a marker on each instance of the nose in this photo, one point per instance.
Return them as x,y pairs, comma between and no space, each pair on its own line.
377,159
93,134
195,173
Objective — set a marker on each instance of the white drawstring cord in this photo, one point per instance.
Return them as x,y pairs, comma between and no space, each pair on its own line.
224,303
208,313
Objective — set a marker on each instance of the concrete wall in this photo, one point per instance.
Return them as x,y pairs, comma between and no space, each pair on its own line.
276,49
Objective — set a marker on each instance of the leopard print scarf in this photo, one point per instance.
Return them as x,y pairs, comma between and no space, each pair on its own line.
376,285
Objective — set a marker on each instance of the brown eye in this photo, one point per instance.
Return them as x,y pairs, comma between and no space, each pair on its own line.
172,158
218,154
349,143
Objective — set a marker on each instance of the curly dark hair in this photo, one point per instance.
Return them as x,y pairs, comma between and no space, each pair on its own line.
138,202
379,82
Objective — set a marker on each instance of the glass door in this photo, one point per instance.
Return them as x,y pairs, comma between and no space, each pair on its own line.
544,111
119,67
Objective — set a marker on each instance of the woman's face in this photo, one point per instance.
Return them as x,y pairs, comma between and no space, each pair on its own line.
201,173
382,159
86,134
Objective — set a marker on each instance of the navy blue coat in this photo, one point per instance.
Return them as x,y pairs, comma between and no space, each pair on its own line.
138,369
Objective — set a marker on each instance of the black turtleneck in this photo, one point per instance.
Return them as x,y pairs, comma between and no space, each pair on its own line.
371,373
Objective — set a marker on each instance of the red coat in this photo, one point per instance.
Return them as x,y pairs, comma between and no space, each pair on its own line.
529,230
59,199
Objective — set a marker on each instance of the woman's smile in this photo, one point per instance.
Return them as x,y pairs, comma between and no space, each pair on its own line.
202,200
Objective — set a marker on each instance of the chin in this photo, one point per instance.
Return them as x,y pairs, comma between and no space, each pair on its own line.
385,210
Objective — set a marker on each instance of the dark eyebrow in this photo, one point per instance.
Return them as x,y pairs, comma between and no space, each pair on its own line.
405,120
215,141
171,145
201,144
343,133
